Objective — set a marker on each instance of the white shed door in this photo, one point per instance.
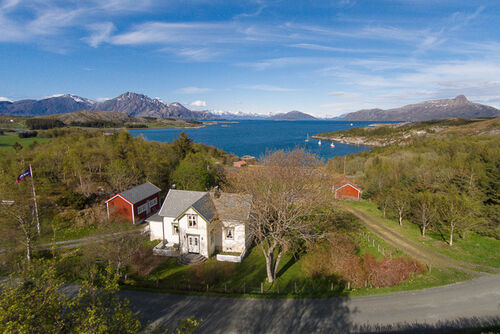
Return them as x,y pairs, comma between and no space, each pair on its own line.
193,244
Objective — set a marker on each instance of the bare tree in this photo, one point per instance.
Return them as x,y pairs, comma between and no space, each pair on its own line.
425,210
399,203
17,213
286,189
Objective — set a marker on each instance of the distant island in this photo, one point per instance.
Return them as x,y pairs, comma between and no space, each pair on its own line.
292,116
460,106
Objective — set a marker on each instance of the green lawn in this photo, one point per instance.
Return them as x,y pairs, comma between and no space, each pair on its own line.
475,248
232,277
9,139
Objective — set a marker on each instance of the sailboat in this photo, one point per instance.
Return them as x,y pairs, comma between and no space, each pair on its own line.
319,142
332,145
307,138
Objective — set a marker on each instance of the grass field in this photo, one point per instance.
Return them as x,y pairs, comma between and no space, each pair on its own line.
475,248
292,281
8,140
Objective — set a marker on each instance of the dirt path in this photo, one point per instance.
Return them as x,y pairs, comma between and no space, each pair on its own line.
418,252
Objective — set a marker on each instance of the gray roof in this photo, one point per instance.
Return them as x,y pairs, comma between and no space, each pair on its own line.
177,201
227,207
232,207
143,191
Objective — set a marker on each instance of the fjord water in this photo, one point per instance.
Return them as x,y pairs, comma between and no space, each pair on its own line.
254,137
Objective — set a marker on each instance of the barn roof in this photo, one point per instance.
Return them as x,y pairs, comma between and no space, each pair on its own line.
233,207
342,181
140,192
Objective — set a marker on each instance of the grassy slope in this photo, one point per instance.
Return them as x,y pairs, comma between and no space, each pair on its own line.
251,272
8,140
474,249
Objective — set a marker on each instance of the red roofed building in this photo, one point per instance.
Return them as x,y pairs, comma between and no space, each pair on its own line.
135,204
346,189
240,164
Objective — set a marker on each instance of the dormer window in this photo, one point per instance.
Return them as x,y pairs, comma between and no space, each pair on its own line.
192,221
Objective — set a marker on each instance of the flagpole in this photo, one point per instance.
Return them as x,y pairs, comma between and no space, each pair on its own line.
34,200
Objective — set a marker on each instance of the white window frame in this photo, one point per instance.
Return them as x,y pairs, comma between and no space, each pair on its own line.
175,226
141,208
226,230
153,202
192,221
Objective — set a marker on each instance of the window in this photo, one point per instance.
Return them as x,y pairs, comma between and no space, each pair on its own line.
141,209
153,202
192,221
230,233
175,228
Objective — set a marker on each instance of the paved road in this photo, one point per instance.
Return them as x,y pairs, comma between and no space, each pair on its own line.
463,305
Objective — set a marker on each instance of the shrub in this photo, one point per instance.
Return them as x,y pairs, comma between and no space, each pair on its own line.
144,262
335,256
27,134
75,200
389,272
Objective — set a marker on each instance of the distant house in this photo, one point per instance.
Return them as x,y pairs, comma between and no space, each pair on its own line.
203,223
135,204
346,189
249,159
240,163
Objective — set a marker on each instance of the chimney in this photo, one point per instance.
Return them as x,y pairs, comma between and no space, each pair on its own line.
173,186
216,192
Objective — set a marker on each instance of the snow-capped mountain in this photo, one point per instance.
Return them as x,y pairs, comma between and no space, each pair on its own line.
239,115
132,104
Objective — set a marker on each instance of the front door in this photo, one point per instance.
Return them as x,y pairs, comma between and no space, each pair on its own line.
193,244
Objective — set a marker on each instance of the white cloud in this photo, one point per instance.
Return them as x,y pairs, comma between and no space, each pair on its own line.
344,95
192,90
198,103
269,88
100,32
2,98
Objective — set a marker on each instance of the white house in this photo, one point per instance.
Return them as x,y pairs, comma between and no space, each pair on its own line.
202,223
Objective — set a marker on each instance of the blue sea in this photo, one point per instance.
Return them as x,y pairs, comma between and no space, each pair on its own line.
256,136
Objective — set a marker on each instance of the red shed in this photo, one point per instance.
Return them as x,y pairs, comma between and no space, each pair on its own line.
346,189
135,204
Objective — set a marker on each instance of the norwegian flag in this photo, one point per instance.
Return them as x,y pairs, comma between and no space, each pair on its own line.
23,175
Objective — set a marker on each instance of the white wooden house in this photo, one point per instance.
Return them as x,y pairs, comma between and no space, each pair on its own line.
202,223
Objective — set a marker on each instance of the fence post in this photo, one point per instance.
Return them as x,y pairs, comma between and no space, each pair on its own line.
366,284
295,287
373,242
225,288
348,285
244,286
207,287
331,286
378,248
430,267
277,287
261,288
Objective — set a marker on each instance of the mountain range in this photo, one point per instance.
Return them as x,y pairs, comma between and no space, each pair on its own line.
424,111
132,104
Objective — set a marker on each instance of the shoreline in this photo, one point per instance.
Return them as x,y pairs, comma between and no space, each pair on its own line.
351,141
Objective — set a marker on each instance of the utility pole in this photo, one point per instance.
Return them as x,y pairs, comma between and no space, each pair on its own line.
34,200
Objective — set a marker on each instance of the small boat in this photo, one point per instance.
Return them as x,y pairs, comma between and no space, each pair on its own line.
332,145
307,138
351,124
319,142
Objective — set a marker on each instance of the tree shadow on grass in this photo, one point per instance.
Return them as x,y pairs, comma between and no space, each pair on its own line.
295,257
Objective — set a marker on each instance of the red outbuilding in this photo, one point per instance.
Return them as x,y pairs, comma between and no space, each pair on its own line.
346,189
135,204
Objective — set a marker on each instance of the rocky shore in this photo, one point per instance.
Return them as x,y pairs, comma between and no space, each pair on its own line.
353,140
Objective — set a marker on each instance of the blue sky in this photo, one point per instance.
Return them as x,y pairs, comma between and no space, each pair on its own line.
321,57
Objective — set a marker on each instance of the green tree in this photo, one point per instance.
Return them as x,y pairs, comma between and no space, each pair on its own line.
195,172
183,145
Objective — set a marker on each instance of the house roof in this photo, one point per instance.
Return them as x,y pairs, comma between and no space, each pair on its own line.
177,201
233,207
137,194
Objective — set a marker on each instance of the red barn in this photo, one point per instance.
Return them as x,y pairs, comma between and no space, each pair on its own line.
346,189
135,204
